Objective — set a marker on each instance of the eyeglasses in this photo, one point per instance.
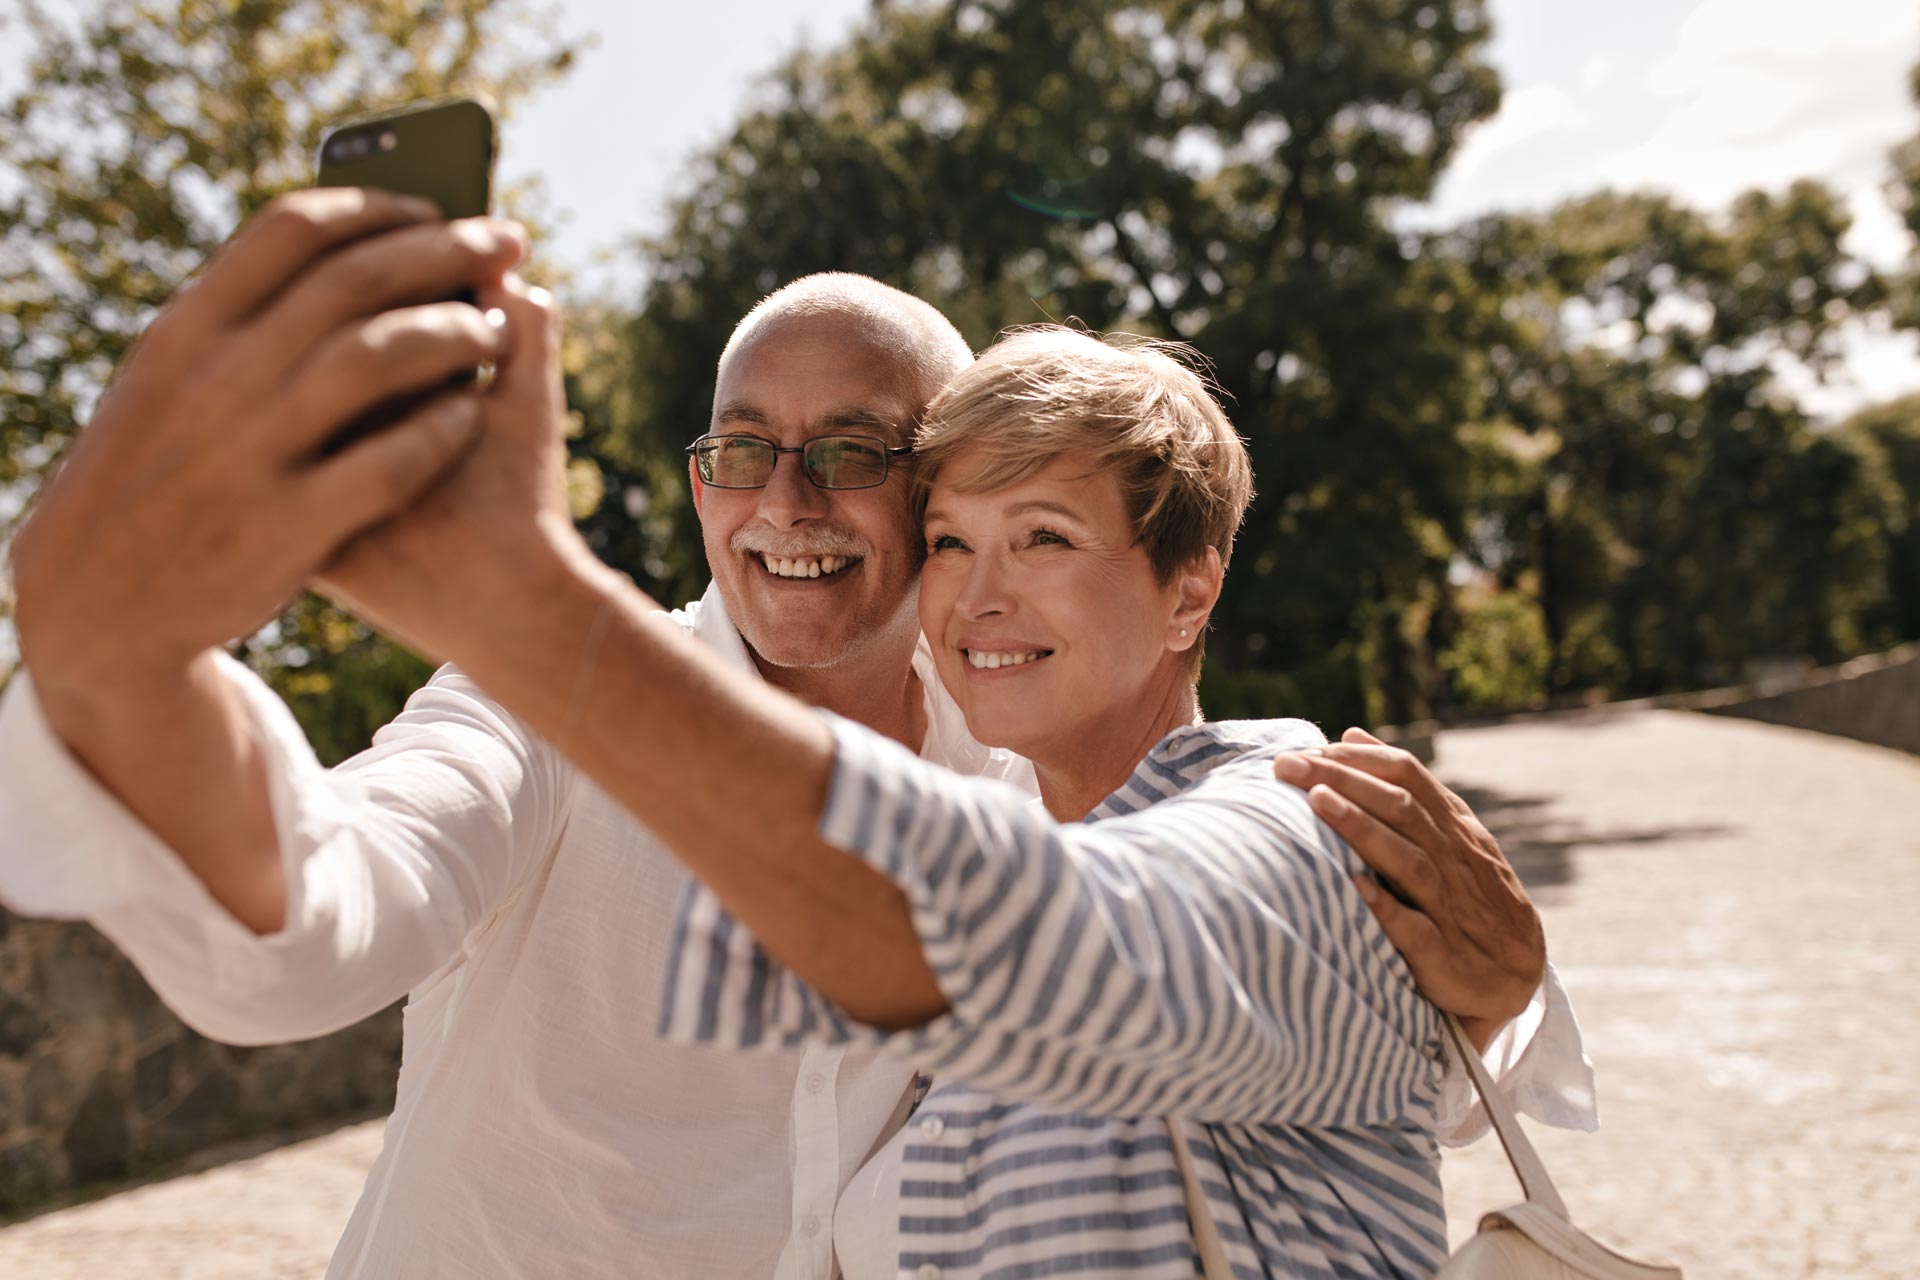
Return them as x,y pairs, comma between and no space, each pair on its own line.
831,462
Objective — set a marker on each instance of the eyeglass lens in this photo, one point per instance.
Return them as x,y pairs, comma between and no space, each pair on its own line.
832,462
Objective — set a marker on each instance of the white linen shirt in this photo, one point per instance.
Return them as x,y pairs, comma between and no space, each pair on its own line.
541,1128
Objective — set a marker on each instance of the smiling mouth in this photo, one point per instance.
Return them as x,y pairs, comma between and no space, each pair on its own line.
994,659
805,566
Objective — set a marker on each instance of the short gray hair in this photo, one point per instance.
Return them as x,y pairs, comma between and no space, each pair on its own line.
911,332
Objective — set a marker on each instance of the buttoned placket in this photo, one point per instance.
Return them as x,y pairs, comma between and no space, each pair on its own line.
816,1166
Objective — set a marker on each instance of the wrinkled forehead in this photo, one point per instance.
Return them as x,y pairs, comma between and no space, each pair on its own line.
829,372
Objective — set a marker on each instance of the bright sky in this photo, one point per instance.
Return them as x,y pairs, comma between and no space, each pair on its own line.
1704,98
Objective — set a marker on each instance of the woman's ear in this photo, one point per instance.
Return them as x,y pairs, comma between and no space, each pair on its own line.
1197,588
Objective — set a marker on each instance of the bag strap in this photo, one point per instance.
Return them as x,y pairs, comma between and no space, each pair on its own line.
1206,1236
1534,1182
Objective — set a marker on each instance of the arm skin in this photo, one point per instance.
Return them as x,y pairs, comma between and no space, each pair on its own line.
201,496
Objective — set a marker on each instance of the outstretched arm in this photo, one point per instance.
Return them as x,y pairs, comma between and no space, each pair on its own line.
1205,955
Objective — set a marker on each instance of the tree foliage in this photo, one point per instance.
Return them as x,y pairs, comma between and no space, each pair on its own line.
1644,471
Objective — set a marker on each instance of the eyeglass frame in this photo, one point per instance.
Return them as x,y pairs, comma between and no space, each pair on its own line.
888,452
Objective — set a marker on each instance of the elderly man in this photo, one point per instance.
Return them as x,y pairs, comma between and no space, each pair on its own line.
154,787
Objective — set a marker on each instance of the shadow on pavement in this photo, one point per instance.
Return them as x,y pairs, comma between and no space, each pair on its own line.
1540,844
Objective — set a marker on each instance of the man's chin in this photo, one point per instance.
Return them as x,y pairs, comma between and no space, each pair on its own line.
806,656
799,634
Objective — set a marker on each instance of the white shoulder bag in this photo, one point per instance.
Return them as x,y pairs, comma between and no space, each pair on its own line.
1532,1240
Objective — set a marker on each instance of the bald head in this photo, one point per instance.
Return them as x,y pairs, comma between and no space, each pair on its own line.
928,350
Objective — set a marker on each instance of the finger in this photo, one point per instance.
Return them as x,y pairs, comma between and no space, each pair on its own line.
1413,935
1400,768
391,355
1379,845
1357,734
382,474
1387,801
276,244
527,374
404,268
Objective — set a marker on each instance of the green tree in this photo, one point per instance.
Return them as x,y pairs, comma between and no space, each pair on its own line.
1642,470
140,138
1887,439
1201,169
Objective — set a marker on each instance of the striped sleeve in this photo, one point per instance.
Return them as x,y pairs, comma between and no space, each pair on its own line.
1204,954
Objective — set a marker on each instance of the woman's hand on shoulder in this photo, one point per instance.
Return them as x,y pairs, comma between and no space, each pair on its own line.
1452,903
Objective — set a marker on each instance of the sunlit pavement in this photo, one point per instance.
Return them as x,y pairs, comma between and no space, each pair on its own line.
1736,910
1735,907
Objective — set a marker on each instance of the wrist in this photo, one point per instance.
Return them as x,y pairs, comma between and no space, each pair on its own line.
530,603
86,704
1481,1031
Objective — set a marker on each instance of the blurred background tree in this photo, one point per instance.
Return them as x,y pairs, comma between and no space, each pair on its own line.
141,137
1535,455
1670,511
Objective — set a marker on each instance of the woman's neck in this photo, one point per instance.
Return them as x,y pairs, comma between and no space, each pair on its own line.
1085,771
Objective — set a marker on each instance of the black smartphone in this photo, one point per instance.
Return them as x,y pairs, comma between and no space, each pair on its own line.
442,151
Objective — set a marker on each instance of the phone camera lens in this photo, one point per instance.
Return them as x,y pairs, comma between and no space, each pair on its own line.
387,140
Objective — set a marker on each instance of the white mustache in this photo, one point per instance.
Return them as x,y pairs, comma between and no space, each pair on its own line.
808,546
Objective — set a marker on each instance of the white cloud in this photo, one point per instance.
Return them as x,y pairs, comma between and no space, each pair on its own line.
1531,112
1877,234
1510,161
1765,91
1876,365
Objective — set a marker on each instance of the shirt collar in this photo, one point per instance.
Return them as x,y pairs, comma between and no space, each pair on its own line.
947,741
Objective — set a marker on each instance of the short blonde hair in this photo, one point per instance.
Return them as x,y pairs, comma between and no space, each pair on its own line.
1138,406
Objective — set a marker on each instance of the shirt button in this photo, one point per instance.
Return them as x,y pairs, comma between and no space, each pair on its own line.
931,1128
927,1271
810,1225
816,1082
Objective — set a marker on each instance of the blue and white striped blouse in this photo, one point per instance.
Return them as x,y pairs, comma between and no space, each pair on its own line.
1195,949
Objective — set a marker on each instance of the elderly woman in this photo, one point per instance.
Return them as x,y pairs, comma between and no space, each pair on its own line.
1172,936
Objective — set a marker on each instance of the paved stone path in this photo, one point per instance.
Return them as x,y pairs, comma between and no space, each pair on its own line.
1732,905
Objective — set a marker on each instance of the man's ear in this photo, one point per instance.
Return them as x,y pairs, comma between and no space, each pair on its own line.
1197,587
693,479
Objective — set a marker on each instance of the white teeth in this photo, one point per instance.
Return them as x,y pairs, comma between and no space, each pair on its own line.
804,566
992,661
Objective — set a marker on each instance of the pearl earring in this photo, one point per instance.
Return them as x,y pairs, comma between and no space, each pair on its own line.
1183,633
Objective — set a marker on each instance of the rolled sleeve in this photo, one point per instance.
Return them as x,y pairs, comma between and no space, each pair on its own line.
1540,1064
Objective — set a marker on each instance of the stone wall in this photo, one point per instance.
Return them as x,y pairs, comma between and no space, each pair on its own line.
99,1080
1873,699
